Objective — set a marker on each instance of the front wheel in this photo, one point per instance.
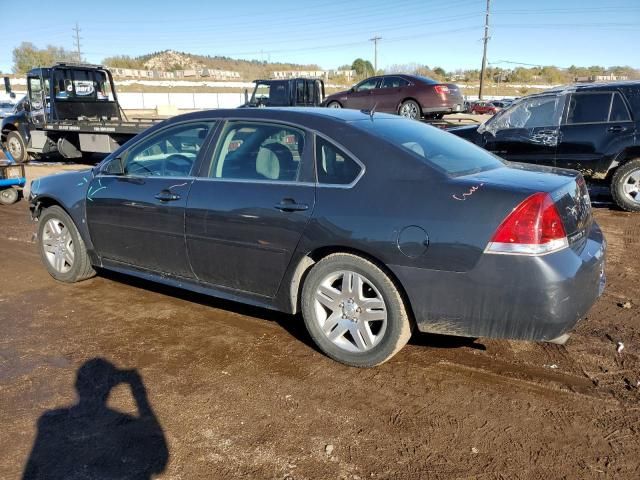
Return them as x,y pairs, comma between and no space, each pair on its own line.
353,311
334,105
62,249
625,186
17,147
9,196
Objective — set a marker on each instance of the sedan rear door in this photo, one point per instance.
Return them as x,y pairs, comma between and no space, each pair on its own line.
247,211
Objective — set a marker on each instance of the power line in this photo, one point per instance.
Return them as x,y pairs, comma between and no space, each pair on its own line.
375,41
76,39
484,50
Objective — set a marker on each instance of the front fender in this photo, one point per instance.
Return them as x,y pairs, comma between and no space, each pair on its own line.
69,191
18,121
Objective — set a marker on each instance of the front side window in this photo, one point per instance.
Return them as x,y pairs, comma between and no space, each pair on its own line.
528,113
588,108
170,153
333,166
36,94
258,151
367,85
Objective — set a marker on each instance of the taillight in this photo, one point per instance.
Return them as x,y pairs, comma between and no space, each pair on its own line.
441,89
533,228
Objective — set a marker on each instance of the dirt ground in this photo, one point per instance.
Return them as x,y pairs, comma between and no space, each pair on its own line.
237,392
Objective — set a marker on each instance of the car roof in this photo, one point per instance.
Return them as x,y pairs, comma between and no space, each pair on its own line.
576,87
291,114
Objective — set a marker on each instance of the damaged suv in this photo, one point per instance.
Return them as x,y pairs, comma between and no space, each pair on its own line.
592,128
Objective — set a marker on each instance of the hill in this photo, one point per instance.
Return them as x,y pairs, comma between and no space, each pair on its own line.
170,60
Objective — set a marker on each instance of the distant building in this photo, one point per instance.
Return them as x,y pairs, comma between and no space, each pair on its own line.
326,74
177,74
601,78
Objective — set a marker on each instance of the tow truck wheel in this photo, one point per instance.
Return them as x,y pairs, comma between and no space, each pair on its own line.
9,196
16,147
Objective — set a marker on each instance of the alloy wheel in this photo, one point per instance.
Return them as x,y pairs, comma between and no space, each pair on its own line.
350,311
409,110
57,243
631,186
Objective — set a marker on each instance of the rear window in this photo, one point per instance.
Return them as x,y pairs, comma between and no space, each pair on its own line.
434,147
427,80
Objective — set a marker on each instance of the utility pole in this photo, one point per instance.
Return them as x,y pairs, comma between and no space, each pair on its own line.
375,53
76,40
484,51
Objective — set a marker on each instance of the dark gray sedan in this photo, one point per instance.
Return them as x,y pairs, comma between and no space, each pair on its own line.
368,224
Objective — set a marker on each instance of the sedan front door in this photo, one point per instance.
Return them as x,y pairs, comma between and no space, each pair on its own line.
362,96
136,204
247,212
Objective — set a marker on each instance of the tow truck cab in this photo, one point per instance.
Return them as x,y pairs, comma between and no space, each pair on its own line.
293,92
71,108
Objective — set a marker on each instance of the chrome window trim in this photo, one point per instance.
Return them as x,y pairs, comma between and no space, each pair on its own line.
157,132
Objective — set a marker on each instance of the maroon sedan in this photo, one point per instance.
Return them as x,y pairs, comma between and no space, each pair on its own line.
411,96
484,108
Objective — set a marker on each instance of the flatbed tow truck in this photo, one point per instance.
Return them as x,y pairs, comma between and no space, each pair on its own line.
70,108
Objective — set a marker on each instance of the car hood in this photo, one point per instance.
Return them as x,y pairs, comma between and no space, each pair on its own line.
468,132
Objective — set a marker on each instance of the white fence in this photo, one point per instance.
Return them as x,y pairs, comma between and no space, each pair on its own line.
181,101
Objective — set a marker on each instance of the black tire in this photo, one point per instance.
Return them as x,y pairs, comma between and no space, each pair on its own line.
334,104
80,268
622,179
17,147
9,196
410,109
398,326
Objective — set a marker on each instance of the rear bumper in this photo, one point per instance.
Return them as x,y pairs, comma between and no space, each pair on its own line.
510,296
449,105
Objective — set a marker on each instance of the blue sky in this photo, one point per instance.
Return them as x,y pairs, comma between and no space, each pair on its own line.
445,33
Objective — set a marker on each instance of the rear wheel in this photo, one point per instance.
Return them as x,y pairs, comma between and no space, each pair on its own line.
17,147
625,186
353,311
409,109
61,247
334,104
9,196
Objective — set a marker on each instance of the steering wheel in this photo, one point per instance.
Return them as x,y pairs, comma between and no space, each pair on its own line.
177,164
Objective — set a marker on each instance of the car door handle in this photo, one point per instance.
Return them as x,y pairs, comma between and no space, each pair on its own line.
289,205
617,128
167,196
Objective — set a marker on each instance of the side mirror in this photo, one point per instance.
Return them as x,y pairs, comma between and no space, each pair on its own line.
115,166
352,89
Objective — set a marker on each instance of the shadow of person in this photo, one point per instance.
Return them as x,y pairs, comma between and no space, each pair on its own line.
91,441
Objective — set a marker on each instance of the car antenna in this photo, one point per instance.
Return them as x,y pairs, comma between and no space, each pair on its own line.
373,110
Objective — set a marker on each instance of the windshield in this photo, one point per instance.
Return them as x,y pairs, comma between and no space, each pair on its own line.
444,151
271,94
544,111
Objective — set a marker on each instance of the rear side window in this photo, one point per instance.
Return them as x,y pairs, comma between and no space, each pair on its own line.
258,152
619,112
333,166
434,147
394,82
589,108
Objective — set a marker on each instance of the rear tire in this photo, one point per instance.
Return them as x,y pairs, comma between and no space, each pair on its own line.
353,311
410,109
625,186
61,247
334,104
17,147
9,196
